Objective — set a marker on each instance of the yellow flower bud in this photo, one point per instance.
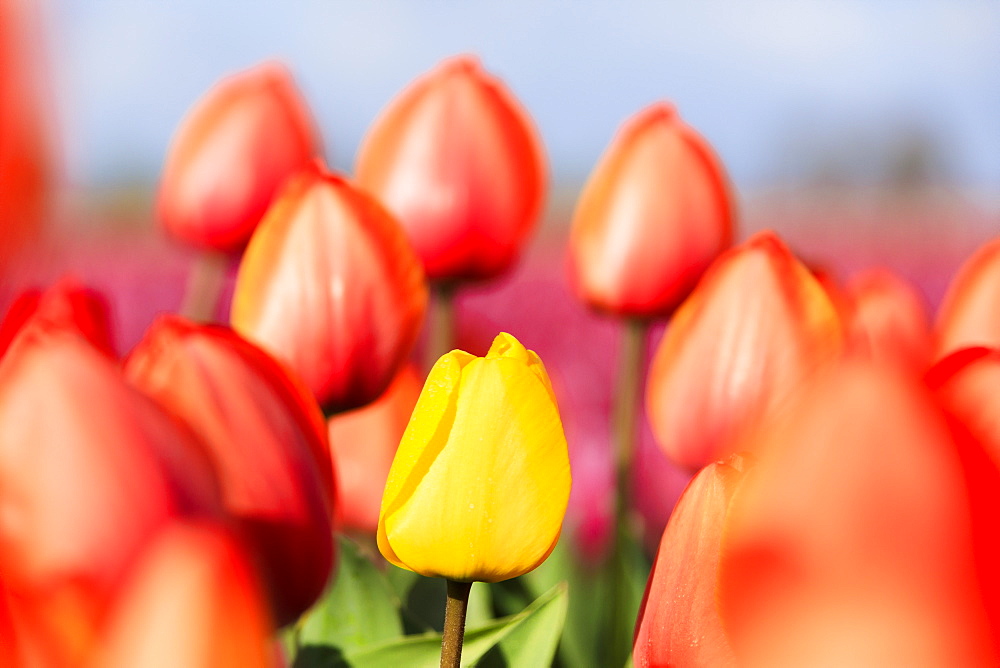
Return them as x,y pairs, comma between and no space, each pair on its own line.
481,479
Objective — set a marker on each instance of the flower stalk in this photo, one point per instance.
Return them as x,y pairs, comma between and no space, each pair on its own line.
625,418
440,322
201,296
454,623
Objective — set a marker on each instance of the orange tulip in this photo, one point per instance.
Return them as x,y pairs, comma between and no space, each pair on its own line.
267,439
751,333
860,537
364,442
458,160
67,305
330,286
653,215
192,601
230,155
90,469
888,320
679,622
968,315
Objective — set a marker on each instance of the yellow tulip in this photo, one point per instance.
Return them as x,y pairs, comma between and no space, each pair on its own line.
480,482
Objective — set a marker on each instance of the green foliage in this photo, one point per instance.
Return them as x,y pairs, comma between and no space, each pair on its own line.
358,609
360,622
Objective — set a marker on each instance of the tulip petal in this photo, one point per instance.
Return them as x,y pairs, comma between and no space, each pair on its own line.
493,477
679,622
433,407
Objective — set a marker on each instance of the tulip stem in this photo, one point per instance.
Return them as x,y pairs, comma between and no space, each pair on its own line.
454,623
201,296
626,407
441,322
626,411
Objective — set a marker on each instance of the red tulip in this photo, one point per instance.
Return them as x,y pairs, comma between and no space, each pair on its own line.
192,601
364,442
267,439
679,622
968,315
967,383
859,538
230,155
90,469
25,142
68,306
458,160
751,333
654,214
330,286
888,320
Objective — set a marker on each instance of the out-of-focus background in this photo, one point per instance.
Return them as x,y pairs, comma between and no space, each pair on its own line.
831,117
865,132
805,100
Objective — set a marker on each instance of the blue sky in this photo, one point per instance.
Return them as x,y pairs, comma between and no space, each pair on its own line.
771,83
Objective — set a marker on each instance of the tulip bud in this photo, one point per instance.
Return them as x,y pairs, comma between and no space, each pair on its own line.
67,306
330,286
855,539
966,383
653,215
888,320
363,443
231,153
267,439
679,622
456,157
192,601
90,469
754,329
480,483
968,315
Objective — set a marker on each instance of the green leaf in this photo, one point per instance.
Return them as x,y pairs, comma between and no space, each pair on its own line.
585,638
423,600
540,622
359,608
533,644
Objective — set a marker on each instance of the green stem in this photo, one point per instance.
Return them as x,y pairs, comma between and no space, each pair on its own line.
441,322
204,285
454,623
625,424
626,407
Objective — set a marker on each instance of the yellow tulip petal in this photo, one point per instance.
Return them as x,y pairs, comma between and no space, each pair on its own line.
483,482
435,405
505,345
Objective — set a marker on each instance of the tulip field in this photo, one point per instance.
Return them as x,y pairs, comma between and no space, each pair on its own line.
389,422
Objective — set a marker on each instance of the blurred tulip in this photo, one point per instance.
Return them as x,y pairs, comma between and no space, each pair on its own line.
363,443
967,383
25,141
855,540
456,157
968,315
653,215
679,622
888,320
67,305
330,285
752,332
192,601
267,439
480,483
230,155
90,469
